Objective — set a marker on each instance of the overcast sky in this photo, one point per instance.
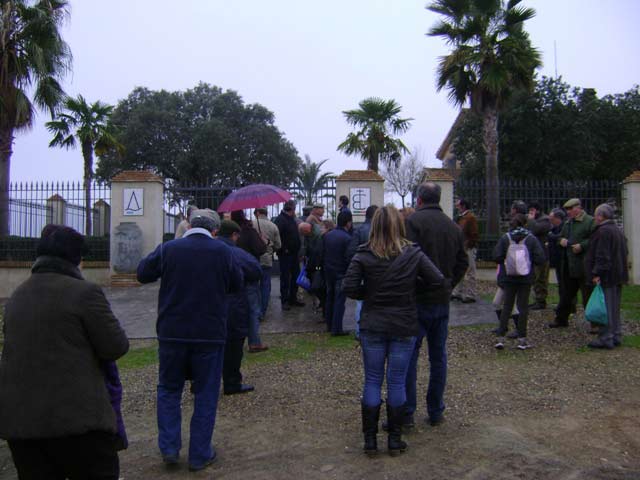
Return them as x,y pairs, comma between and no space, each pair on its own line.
308,61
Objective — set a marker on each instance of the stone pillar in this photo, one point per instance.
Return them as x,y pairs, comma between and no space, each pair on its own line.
101,218
363,187
137,200
631,214
56,209
443,178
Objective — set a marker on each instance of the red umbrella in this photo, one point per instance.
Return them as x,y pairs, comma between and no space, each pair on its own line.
253,196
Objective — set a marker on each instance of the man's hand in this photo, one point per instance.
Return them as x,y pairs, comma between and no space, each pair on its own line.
596,280
564,242
577,248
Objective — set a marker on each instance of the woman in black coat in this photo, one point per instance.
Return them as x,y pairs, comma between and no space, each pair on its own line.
384,273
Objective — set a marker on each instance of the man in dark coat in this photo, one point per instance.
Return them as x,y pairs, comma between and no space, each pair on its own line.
442,241
574,240
288,255
539,225
238,311
59,333
606,265
197,273
335,263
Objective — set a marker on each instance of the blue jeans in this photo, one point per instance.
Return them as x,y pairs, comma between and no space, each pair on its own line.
335,303
396,351
434,324
253,298
203,362
265,289
357,316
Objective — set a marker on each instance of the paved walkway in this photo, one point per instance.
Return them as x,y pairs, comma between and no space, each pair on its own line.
136,308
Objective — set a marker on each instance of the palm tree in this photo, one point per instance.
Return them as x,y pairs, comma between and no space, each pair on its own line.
33,58
309,180
376,120
88,125
491,58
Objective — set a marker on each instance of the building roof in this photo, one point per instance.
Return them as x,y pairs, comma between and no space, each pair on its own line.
137,176
634,177
438,174
362,175
451,135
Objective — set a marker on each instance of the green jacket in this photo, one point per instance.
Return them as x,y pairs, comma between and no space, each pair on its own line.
576,230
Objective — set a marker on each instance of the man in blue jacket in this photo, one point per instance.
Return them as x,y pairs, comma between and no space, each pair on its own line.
196,272
335,263
238,311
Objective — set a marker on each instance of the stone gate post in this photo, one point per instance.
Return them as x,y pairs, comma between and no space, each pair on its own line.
442,177
363,187
631,221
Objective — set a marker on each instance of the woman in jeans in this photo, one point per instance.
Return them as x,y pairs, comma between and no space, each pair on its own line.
384,273
516,286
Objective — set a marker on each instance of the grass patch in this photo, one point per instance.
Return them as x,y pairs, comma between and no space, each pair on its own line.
139,358
632,341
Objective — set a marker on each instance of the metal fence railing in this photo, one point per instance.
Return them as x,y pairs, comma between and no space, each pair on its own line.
548,193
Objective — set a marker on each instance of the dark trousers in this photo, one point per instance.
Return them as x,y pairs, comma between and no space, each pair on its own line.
434,325
203,361
541,282
570,289
289,271
89,456
518,294
233,352
335,303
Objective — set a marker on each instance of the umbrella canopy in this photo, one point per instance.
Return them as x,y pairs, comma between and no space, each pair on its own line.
253,196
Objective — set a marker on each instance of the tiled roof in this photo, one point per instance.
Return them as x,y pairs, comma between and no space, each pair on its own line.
634,177
137,176
362,175
451,134
435,174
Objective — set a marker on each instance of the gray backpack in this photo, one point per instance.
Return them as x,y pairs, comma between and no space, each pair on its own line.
517,262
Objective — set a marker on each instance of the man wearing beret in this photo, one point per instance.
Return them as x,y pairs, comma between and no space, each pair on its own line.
573,242
197,273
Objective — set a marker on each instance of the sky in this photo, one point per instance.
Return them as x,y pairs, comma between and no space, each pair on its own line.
309,61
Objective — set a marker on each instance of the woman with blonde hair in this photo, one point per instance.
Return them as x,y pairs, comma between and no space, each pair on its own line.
384,273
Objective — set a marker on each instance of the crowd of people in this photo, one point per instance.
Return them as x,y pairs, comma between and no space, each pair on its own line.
404,268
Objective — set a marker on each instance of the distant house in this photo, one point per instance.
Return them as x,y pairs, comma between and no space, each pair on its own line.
446,152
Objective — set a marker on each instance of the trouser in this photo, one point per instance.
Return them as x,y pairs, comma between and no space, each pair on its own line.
541,282
396,352
91,456
357,314
233,353
612,331
265,289
434,325
466,289
569,293
289,271
204,362
253,300
498,302
335,304
515,294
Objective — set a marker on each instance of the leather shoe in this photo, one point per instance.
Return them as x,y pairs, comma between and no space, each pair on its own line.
257,348
242,388
197,468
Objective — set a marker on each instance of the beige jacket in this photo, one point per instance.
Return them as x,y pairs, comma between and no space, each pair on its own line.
269,233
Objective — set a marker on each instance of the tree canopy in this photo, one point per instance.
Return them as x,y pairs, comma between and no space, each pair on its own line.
201,135
310,181
559,132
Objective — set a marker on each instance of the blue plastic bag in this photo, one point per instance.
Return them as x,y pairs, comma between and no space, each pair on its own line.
596,311
302,280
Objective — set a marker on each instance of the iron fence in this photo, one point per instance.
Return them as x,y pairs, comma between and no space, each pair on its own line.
32,205
549,194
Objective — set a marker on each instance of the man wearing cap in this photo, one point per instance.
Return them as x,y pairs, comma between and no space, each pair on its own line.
574,242
238,312
288,255
271,236
196,274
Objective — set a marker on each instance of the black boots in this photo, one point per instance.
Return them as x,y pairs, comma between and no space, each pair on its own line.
370,416
395,444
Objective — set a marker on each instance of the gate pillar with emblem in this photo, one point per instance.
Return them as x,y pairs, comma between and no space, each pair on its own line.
137,222
363,187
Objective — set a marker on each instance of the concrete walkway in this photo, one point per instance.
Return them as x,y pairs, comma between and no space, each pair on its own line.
136,308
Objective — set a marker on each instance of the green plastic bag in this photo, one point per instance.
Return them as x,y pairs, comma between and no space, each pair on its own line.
596,311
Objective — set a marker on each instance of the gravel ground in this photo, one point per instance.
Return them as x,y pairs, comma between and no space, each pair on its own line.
557,411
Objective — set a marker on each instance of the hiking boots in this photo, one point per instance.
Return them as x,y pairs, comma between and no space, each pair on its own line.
370,417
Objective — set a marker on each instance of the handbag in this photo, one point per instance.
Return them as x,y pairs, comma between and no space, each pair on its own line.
302,280
317,282
596,311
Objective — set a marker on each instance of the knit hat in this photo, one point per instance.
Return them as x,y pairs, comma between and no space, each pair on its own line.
228,228
63,242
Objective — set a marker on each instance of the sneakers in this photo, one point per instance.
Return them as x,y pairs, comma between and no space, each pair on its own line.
523,344
513,334
500,343
197,468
